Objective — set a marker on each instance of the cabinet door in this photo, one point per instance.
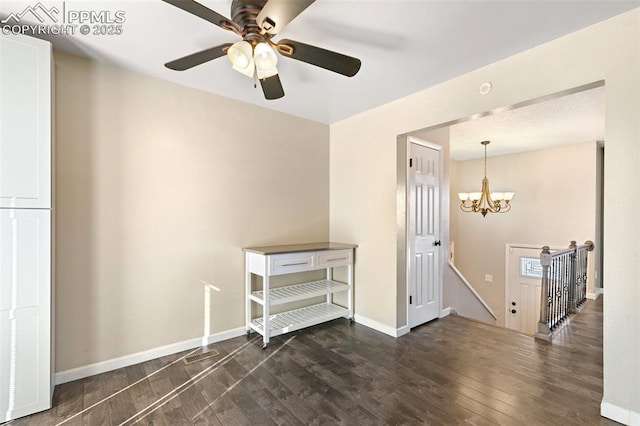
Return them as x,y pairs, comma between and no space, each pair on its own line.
25,312
25,122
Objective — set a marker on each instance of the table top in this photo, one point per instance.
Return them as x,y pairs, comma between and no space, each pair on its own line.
295,248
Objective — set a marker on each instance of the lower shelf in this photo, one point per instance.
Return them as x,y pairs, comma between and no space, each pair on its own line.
296,319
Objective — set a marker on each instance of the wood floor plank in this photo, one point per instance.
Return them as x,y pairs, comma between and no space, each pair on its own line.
294,403
449,371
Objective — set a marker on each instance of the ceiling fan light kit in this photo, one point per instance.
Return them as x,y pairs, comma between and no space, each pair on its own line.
240,55
266,60
257,21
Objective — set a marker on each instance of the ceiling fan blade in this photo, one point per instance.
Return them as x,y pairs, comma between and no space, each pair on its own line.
327,59
205,13
272,87
276,14
198,58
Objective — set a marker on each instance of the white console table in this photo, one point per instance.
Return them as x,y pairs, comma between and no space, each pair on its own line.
278,260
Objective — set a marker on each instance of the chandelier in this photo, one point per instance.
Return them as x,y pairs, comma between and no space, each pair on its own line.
485,202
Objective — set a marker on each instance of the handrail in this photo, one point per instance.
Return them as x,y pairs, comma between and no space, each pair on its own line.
564,285
472,290
559,252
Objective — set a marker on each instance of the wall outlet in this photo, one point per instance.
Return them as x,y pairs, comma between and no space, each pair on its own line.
488,278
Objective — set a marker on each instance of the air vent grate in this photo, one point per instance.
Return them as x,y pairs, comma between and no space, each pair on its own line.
202,356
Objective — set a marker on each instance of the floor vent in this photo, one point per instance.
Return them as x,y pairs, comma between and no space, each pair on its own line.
199,357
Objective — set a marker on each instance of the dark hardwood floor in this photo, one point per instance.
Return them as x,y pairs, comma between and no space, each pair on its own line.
450,371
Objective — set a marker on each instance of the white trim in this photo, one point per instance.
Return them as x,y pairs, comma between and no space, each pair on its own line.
402,331
598,293
417,141
136,358
445,312
224,335
619,414
382,328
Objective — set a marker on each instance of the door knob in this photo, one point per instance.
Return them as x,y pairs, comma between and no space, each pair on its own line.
513,311
437,243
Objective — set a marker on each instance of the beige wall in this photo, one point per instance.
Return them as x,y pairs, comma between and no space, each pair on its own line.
363,174
554,204
158,188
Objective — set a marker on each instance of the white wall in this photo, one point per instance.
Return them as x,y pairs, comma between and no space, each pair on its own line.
554,204
363,175
462,299
158,189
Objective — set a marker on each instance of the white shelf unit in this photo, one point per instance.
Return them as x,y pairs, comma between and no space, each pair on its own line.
278,260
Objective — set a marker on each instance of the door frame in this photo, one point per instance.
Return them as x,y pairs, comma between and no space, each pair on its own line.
403,249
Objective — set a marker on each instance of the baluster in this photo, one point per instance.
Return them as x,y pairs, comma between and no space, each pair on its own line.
561,270
561,278
556,288
556,276
562,263
584,274
554,292
552,281
566,285
563,283
568,281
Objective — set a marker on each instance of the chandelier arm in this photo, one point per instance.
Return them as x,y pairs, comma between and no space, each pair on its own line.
465,208
506,208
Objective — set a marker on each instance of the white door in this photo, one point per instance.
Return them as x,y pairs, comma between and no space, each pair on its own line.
25,122
525,280
25,312
424,234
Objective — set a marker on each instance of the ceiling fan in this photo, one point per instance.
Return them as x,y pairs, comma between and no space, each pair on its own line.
257,21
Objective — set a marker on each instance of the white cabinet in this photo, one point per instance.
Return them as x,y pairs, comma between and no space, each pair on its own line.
25,312
25,122
26,309
277,260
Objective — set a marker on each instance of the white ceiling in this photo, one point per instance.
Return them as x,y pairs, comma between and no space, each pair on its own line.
575,118
405,46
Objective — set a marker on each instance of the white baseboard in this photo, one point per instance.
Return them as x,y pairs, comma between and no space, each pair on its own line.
619,414
382,328
223,335
598,292
445,312
402,331
127,360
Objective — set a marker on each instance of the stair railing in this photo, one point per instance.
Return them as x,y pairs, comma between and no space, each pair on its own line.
564,285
